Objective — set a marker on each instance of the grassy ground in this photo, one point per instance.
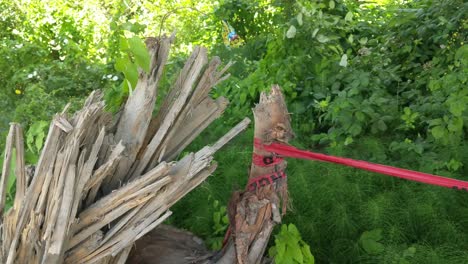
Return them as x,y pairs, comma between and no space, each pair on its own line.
333,206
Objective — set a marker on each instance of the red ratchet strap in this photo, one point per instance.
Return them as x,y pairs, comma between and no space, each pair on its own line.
292,152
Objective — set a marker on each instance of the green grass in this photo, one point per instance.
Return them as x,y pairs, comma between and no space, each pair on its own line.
333,205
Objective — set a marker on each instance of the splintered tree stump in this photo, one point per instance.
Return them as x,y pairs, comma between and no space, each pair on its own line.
102,181
254,212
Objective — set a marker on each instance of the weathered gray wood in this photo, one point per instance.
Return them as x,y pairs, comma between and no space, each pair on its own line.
5,233
101,183
136,115
6,167
45,160
20,169
197,113
185,81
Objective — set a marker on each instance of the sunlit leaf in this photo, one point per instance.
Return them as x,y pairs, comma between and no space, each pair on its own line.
291,33
299,19
363,41
314,33
344,60
322,38
142,57
438,132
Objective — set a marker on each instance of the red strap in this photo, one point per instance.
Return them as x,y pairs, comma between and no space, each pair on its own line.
292,152
252,185
264,180
265,161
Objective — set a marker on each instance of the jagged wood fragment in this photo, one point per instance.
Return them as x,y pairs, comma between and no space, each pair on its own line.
184,83
137,112
45,160
6,168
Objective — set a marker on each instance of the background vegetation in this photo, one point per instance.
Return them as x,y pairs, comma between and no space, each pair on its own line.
383,81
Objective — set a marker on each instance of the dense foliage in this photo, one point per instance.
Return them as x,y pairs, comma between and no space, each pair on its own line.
384,81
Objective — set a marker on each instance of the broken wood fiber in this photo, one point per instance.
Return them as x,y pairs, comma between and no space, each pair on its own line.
103,181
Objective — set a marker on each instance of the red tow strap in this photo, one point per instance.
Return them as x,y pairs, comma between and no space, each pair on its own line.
292,152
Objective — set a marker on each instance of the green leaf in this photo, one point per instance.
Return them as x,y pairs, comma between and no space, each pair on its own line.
369,241
242,97
355,129
31,157
293,230
30,141
272,252
35,136
360,116
331,4
322,39
222,209
308,257
291,33
375,234
349,16
12,177
455,125
296,253
133,27
298,107
299,19
348,141
40,141
435,122
131,74
462,54
434,85
123,44
457,107
344,60
216,217
381,125
314,33
280,247
438,132
142,57
121,63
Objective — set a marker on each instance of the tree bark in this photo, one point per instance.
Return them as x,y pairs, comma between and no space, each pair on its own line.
253,213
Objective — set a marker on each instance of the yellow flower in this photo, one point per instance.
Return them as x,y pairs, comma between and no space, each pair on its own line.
17,91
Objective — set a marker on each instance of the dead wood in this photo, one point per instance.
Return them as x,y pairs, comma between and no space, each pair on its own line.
254,213
103,182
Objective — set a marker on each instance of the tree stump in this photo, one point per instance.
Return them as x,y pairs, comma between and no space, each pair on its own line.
254,212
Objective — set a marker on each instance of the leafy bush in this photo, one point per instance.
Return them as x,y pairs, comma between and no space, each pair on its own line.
290,248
